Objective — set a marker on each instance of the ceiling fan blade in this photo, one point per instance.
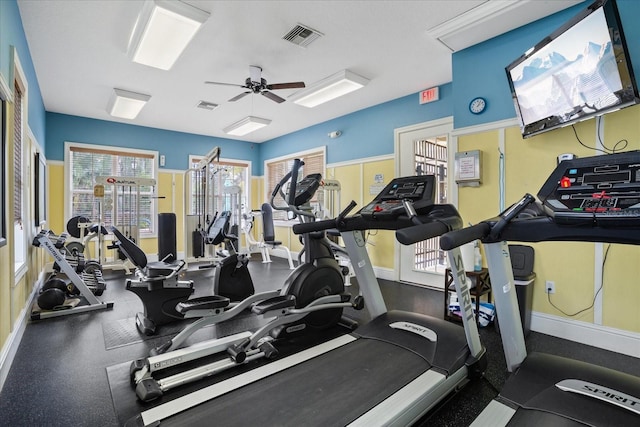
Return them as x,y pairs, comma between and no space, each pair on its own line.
242,95
292,85
224,84
272,96
255,73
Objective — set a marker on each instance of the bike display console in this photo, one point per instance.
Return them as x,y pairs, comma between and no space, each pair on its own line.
420,190
600,191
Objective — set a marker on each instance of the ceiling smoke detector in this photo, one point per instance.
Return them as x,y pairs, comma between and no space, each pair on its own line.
302,36
207,105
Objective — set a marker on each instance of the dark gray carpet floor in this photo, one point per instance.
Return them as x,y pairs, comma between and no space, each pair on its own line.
67,370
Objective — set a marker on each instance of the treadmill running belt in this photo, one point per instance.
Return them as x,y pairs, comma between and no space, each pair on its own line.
362,374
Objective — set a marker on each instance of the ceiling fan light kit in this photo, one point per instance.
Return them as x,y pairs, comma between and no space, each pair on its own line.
332,87
126,104
247,125
162,32
256,84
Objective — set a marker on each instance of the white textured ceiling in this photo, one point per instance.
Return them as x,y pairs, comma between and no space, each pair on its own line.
79,50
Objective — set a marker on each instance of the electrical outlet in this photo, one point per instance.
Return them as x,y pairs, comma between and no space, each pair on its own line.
550,287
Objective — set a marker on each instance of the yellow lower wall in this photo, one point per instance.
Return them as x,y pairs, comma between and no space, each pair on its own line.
528,162
6,273
15,292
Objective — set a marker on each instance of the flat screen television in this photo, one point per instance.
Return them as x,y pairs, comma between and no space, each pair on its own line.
579,71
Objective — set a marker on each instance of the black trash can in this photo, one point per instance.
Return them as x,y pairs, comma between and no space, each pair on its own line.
167,236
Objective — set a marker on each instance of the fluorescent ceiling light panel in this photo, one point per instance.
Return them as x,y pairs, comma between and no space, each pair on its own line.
163,31
125,104
330,88
246,125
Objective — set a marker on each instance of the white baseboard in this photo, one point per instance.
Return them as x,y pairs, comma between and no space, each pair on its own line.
10,347
604,337
384,273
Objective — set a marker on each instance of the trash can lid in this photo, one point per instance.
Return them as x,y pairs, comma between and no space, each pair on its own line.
521,261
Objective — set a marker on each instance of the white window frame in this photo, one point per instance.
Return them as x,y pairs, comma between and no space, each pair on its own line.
67,179
267,191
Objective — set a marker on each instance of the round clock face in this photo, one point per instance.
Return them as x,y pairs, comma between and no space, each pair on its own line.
477,105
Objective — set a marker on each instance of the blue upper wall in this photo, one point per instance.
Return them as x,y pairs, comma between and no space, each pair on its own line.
480,70
176,146
365,133
12,35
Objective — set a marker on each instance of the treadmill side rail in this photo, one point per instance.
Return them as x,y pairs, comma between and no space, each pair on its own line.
495,414
158,413
461,284
504,295
408,404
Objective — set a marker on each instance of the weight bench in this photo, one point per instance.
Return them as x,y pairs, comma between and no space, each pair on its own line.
269,236
157,286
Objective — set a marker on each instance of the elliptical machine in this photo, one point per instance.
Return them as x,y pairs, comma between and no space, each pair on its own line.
319,274
312,298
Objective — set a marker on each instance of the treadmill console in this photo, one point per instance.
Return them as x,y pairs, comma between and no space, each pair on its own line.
420,190
601,190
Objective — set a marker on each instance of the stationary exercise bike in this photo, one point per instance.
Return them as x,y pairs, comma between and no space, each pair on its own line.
160,291
312,298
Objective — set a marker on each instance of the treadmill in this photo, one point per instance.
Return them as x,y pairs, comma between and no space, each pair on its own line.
593,199
390,371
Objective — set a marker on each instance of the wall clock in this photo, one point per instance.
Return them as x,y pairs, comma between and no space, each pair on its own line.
477,105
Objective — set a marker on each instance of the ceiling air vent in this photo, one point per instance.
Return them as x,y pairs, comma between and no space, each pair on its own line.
207,105
302,36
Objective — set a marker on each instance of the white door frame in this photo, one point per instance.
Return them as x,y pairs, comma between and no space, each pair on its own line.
452,146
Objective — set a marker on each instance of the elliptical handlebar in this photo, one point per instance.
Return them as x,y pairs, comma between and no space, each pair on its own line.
297,164
290,198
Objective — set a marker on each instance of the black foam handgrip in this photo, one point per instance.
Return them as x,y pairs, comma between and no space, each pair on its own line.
309,227
456,238
410,235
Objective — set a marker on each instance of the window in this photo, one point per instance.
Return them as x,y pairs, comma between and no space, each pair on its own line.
431,159
314,162
120,206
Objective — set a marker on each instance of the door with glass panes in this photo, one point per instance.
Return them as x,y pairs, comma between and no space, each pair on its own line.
424,149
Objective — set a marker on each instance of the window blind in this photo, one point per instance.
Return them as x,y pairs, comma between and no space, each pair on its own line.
17,155
86,163
313,163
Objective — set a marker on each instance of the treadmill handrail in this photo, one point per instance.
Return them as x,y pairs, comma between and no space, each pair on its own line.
445,214
454,239
417,233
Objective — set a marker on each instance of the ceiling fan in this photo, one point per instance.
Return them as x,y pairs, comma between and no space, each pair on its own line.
256,84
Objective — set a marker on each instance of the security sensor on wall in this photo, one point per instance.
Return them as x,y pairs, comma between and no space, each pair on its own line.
334,134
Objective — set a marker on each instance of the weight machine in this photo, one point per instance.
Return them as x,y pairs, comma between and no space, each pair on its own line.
329,207
125,201
328,199
88,281
196,224
267,240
